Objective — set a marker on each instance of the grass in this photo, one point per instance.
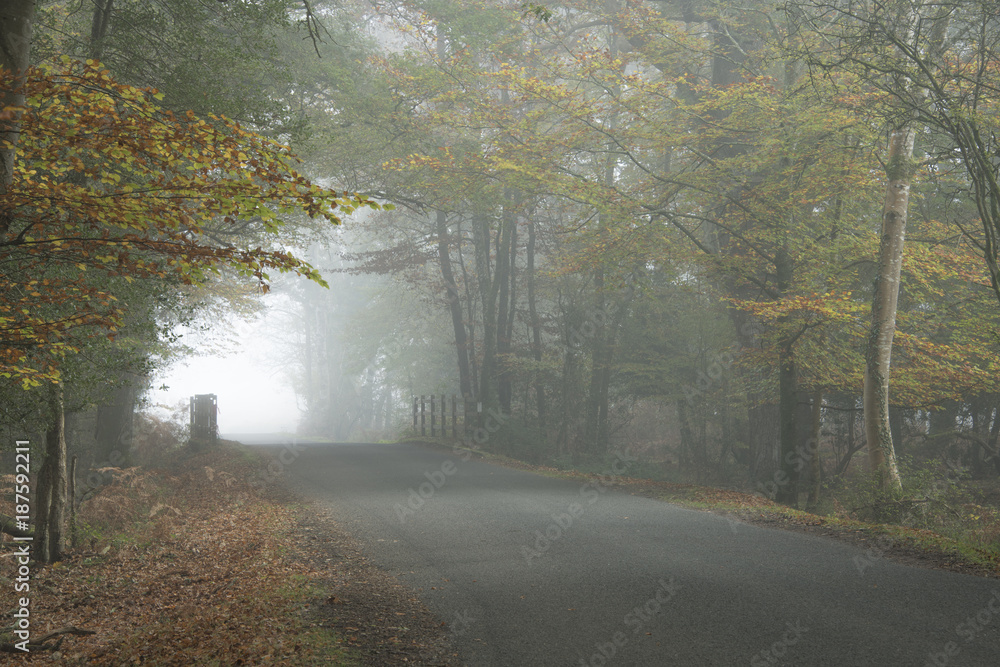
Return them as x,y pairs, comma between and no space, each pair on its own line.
323,645
325,649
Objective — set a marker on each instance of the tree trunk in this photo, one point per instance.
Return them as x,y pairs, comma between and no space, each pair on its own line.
788,398
16,20
814,464
899,173
787,475
508,336
470,316
571,384
113,430
454,306
50,503
606,330
994,437
597,397
71,499
502,283
99,25
483,237
536,327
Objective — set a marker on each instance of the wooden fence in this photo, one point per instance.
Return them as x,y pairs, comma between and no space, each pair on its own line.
430,413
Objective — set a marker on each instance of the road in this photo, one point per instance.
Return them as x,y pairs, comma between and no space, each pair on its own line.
532,570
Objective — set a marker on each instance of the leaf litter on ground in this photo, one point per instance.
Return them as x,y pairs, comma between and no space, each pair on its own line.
190,564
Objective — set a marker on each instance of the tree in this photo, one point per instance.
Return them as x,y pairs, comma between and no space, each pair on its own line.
50,498
216,58
895,48
166,188
937,65
546,158
16,24
109,186
899,174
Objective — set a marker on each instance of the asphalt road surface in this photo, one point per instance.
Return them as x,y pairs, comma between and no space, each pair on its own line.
531,570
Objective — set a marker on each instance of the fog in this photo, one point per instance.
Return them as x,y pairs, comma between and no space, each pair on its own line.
653,249
246,374
604,236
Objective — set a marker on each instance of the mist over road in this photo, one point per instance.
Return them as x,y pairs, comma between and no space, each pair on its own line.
530,570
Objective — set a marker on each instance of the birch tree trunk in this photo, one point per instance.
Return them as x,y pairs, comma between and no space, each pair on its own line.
899,174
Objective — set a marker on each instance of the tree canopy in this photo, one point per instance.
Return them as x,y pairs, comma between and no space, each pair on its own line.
110,185
618,221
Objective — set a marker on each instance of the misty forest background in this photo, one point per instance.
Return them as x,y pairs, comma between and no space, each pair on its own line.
668,228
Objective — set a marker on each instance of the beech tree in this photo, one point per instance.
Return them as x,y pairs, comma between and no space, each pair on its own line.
564,169
16,27
209,58
160,187
107,184
917,56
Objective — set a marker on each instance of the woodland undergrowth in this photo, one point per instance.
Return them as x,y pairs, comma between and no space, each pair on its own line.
179,565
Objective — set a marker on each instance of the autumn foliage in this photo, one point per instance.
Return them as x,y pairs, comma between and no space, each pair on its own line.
109,186
196,561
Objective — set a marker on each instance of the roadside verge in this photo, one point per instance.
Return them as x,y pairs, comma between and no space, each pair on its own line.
190,563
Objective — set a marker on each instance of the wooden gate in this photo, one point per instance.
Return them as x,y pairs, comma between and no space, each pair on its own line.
204,419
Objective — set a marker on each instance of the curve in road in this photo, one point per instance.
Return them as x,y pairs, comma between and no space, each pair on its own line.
532,570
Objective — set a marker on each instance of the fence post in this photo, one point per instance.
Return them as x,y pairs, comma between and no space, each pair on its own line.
414,414
454,416
433,416
423,417
466,399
